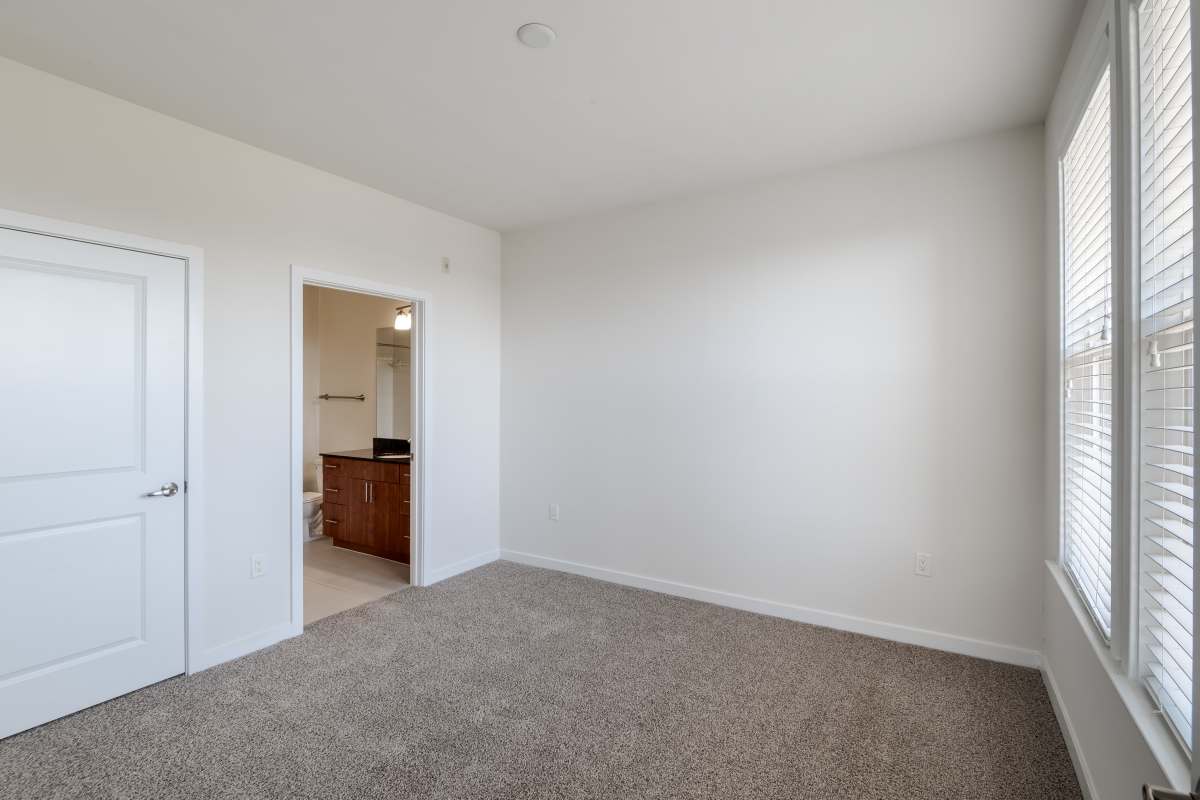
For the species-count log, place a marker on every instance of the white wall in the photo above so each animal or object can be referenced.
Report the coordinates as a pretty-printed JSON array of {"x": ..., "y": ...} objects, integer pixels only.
[
  {"x": 1108, "y": 740},
  {"x": 786, "y": 390},
  {"x": 1118, "y": 741},
  {"x": 75, "y": 154}
]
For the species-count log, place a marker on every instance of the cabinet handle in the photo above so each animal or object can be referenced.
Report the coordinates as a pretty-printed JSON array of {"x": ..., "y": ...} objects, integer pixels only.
[
  {"x": 366, "y": 495},
  {"x": 331, "y": 466},
  {"x": 335, "y": 491},
  {"x": 332, "y": 521}
]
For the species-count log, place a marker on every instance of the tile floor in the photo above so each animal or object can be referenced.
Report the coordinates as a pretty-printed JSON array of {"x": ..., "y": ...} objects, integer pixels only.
[{"x": 336, "y": 579}]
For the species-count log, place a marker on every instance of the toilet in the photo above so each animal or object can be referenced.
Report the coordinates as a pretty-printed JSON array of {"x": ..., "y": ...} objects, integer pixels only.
[{"x": 312, "y": 516}]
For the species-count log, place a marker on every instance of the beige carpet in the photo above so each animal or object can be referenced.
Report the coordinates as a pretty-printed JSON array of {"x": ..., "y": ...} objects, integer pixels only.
[{"x": 515, "y": 682}]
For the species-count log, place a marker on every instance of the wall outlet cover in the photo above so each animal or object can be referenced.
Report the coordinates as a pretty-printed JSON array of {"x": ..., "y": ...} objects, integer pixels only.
[
  {"x": 258, "y": 565},
  {"x": 924, "y": 565},
  {"x": 553, "y": 512}
]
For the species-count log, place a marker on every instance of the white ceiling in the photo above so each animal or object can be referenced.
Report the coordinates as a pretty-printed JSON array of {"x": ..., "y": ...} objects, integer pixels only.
[{"x": 438, "y": 103}]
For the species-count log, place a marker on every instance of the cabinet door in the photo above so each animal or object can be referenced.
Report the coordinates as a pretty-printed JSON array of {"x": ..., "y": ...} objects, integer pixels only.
[
  {"x": 356, "y": 527},
  {"x": 389, "y": 520}
]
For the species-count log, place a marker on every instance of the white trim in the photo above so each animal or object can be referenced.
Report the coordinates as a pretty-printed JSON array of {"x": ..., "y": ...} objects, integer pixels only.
[
  {"x": 991, "y": 651},
  {"x": 421, "y": 433},
  {"x": 1155, "y": 730},
  {"x": 1194, "y": 762},
  {"x": 458, "y": 567},
  {"x": 1127, "y": 401},
  {"x": 195, "y": 487},
  {"x": 1082, "y": 773},
  {"x": 1095, "y": 51},
  {"x": 1100, "y": 58},
  {"x": 243, "y": 646},
  {"x": 193, "y": 260}
]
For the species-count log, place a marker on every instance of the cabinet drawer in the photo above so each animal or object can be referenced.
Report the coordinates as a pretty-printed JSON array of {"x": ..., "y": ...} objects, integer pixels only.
[
  {"x": 336, "y": 518},
  {"x": 334, "y": 469},
  {"x": 333, "y": 480},
  {"x": 376, "y": 471}
]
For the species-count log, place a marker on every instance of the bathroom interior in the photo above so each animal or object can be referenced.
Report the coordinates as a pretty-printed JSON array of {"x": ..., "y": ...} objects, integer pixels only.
[{"x": 358, "y": 390}]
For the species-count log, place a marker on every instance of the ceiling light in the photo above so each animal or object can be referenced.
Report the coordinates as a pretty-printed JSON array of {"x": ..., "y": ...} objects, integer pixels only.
[
  {"x": 535, "y": 34},
  {"x": 404, "y": 318}
]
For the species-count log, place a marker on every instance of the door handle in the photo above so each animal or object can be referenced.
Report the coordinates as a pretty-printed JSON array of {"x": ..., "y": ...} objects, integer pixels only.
[{"x": 167, "y": 490}]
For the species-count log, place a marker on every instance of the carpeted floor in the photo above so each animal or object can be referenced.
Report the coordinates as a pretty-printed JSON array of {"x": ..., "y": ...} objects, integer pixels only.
[{"x": 515, "y": 682}]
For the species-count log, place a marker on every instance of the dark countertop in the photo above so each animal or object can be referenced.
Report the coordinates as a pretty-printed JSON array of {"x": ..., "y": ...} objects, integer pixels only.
[{"x": 369, "y": 455}]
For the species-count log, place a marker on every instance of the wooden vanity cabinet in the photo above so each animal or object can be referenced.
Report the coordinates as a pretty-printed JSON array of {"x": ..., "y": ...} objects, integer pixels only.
[{"x": 368, "y": 507}]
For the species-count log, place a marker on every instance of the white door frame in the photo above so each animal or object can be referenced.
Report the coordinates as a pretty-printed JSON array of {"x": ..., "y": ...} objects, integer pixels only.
[
  {"x": 421, "y": 433},
  {"x": 193, "y": 478}
]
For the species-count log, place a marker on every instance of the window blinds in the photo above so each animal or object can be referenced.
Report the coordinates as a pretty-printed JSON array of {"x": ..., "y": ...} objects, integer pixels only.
[
  {"x": 1167, "y": 424},
  {"x": 1087, "y": 358}
]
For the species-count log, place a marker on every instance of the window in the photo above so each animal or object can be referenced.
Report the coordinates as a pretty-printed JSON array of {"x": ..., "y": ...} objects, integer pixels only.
[
  {"x": 1167, "y": 371},
  {"x": 1087, "y": 357}
]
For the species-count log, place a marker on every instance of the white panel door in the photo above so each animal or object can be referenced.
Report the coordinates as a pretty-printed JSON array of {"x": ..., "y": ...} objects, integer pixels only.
[{"x": 92, "y": 398}]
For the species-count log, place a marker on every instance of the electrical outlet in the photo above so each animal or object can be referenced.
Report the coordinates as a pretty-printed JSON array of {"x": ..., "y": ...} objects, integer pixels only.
[
  {"x": 258, "y": 565},
  {"x": 924, "y": 565},
  {"x": 445, "y": 263},
  {"x": 553, "y": 512}
]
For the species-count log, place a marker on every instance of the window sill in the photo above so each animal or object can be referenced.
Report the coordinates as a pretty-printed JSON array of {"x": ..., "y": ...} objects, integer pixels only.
[{"x": 1155, "y": 731}]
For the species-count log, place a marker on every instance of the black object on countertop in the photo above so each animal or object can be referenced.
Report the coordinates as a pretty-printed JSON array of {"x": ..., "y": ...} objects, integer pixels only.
[{"x": 390, "y": 447}]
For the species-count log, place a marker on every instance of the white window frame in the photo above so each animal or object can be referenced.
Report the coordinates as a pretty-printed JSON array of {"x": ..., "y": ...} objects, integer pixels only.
[
  {"x": 1102, "y": 56},
  {"x": 1109, "y": 37},
  {"x": 1128, "y": 16}
]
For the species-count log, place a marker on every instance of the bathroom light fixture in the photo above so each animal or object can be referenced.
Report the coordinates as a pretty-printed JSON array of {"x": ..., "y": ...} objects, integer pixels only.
[
  {"x": 535, "y": 34},
  {"x": 403, "y": 318}
]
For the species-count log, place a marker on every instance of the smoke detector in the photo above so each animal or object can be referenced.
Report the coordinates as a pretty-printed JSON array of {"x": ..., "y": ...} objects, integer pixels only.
[{"x": 535, "y": 34}]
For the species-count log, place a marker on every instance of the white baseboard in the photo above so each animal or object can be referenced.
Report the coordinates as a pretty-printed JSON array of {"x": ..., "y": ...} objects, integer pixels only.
[
  {"x": 257, "y": 641},
  {"x": 991, "y": 651},
  {"x": 458, "y": 567},
  {"x": 241, "y": 647},
  {"x": 1082, "y": 773},
  {"x": 1149, "y": 722}
]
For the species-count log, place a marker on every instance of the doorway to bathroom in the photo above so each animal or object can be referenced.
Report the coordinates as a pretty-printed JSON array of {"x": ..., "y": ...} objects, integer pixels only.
[{"x": 357, "y": 431}]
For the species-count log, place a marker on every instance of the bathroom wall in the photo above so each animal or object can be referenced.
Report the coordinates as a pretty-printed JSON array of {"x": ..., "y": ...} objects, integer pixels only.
[
  {"x": 393, "y": 367},
  {"x": 345, "y": 327},
  {"x": 312, "y": 376}
]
